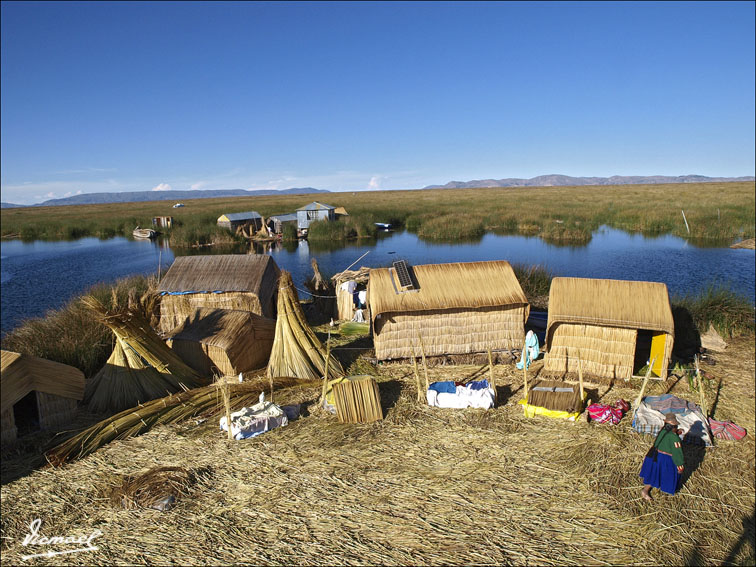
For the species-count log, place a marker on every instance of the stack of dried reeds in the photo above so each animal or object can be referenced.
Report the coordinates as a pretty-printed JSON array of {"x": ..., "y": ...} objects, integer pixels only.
[
  {"x": 555, "y": 395},
  {"x": 141, "y": 366},
  {"x": 357, "y": 400},
  {"x": 296, "y": 350},
  {"x": 206, "y": 402}
]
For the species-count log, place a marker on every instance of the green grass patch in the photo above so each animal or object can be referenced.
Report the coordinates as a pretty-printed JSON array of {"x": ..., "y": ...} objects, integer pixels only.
[
  {"x": 70, "y": 334},
  {"x": 730, "y": 314}
]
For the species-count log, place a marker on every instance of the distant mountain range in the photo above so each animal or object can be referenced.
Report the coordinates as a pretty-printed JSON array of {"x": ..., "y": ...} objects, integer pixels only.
[
  {"x": 134, "y": 196},
  {"x": 566, "y": 180}
]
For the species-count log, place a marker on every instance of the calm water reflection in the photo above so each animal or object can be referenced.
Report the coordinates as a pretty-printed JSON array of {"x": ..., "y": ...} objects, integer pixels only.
[{"x": 44, "y": 275}]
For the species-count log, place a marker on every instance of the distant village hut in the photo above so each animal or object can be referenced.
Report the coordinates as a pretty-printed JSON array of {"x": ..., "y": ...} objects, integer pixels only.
[
  {"x": 36, "y": 394},
  {"x": 224, "y": 342},
  {"x": 233, "y": 221},
  {"x": 614, "y": 327},
  {"x": 162, "y": 222},
  {"x": 245, "y": 282},
  {"x": 276, "y": 223},
  {"x": 456, "y": 309},
  {"x": 314, "y": 212},
  {"x": 340, "y": 213}
]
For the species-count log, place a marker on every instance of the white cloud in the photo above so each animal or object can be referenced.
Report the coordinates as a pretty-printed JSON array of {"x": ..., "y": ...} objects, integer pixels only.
[
  {"x": 50, "y": 195},
  {"x": 375, "y": 182},
  {"x": 162, "y": 187},
  {"x": 198, "y": 185}
]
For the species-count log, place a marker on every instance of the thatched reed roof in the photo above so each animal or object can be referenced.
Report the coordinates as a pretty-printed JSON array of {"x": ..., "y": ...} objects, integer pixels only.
[
  {"x": 21, "y": 374},
  {"x": 222, "y": 272},
  {"x": 609, "y": 303},
  {"x": 223, "y": 327},
  {"x": 446, "y": 286}
]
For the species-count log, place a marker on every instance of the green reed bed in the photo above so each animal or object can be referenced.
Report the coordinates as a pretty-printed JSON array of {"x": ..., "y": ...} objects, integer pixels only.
[
  {"x": 730, "y": 314},
  {"x": 714, "y": 211},
  {"x": 70, "y": 334}
]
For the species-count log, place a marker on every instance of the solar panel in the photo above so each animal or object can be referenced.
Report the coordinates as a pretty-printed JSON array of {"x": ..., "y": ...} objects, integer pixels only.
[{"x": 402, "y": 272}]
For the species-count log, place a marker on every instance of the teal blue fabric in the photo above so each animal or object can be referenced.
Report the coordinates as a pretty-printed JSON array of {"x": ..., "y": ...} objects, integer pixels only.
[{"x": 530, "y": 351}]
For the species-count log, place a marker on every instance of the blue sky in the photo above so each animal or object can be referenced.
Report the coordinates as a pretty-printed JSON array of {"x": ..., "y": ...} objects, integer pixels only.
[{"x": 352, "y": 96}]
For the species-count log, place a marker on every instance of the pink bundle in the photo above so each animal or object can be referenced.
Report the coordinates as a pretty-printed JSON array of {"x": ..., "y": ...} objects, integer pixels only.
[
  {"x": 726, "y": 430},
  {"x": 602, "y": 413}
]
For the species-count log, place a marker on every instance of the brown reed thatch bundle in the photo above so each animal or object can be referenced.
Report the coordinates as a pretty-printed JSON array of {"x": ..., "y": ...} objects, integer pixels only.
[
  {"x": 206, "y": 402},
  {"x": 296, "y": 350},
  {"x": 141, "y": 367},
  {"x": 157, "y": 488},
  {"x": 555, "y": 395},
  {"x": 357, "y": 400}
]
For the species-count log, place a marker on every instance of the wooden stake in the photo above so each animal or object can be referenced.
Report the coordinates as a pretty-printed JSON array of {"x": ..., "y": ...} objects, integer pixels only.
[
  {"x": 417, "y": 375},
  {"x": 227, "y": 404},
  {"x": 525, "y": 379},
  {"x": 325, "y": 378},
  {"x": 425, "y": 365},
  {"x": 643, "y": 388},
  {"x": 580, "y": 377},
  {"x": 686, "y": 221},
  {"x": 701, "y": 389},
  {"x": 491, "y": 379}
]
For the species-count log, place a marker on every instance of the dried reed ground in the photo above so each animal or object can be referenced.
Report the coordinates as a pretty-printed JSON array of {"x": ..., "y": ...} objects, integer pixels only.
[{"x": 424, "y": 486}]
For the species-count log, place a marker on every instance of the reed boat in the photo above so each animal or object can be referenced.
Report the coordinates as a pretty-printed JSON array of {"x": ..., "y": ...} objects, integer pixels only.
[{"x": 144, "y": 233}]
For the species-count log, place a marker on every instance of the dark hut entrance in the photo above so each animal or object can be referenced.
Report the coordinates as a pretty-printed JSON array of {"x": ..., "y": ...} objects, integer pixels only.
[
  {"x": 649, "y": 345},
  {"x": 26, "y": 414}
]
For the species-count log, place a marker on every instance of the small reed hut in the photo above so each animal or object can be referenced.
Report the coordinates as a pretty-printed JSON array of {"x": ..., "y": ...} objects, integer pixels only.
[
  {"x": 223, "y": 341},
  {"x": 233, "y": 221},
  {"x": 36, "y": 394},
  {"x": 455, "y": 309},
  {"x": 614, "y": 327},
  {"x": 242, "y": 282}
]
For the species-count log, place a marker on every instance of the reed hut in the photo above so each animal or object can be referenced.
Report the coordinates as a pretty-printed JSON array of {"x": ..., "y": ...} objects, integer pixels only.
[
  {"x": 457, "y": 309},
  {"x": 313, "y": 212},
  {"x": 614, "y": 327},
  {"x": 276, "y": 223},
  {"x": 223, "y": 341},
  {"x": 36, "y": 394},
  {"x": 233, "y": 221},
  {"x": 240, "y": 282}
]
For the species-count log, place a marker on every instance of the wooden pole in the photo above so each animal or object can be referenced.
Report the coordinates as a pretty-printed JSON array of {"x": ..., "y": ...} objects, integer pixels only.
[
  {"x": 325, "y": 378},
  {"x": 425, "y": 365},
  {"x": 491, "y": 379},
  {"x": 227, "y": 405},
  {"x": 643, "y": 388},
  {"x": 701, "y": 389},
  {"x": 417, "y": 375},
  {"x": 686, "y": 221},
  {"x": 580, "y": 377},
  {"x": 525, "y": 379}
]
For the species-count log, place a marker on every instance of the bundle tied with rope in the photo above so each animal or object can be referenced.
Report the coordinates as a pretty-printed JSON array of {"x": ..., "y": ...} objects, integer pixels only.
[{"x": 297, "y": 351}]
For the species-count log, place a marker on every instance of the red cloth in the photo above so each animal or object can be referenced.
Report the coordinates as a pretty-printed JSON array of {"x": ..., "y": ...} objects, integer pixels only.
[
  {"x": 602, "y": 413},
  {"x": 726, "y": 430}
]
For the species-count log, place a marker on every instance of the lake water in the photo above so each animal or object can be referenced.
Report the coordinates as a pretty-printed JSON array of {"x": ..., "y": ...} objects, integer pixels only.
[{"x": 39, "y": 276}]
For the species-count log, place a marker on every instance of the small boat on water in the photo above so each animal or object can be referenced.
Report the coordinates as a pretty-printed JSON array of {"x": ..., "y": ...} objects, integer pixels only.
[{"x": 144, "y": 233}]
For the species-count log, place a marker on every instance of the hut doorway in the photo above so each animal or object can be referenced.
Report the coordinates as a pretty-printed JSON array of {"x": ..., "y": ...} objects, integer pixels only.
[
  {"x": 649, "y": 346},
  {"x": 26, "y": 414}
]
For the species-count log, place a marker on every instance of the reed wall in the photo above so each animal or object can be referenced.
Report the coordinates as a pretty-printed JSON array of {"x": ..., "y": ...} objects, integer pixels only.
[
  {"x": 8, "y": 431},
  {"x": 175, "y": 309},
  {"x": 605, "y": 352},
  {"x": 449, "y": 331},
  {"x": 55, "y": 411}
]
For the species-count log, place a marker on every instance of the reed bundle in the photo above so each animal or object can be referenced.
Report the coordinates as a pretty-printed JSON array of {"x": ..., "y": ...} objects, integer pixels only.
[
  {"x": 157, "y": 488},
  {"x": 206, "y": 402},
  {"x": 358, "y": 400},
  {"x": 296, "y": 350},
  {"x": 555, "y": 395},
  {"x": 140, "y": 368}
]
